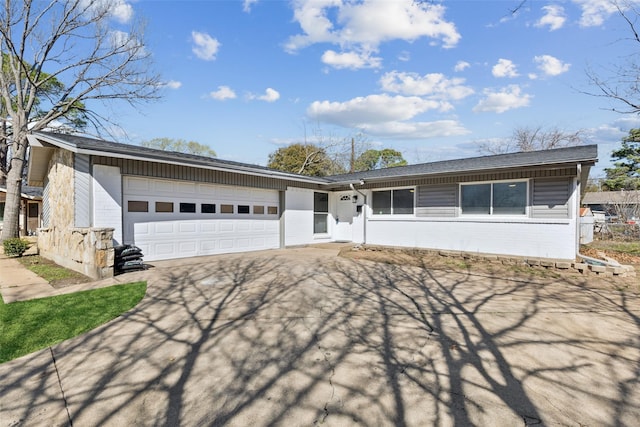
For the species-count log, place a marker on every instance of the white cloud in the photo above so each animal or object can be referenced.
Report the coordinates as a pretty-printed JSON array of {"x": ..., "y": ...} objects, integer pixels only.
[
  {"x": 120, "y": 10},
  {"x": 404, "y": 56},
  {"x": 550, "y": 65},
  {"x": 363, "y": 112},
  {"x": 461, "y": 66},
  {"x": 434, "y": 85},
  {"x": 504, "y": 68},
  {"x": 594, "y": 12},
  {"x": 247, "y": 4},
  {"x": 205, "y": 47},
  {"x": 417, "y": 130},
  {"x": 223, "y": 93},
  {"x": 352, "y": 60},
  {"x": 173, "y": 84},
  {"x": 554, "y": 17},
  {"x": 270, "y": 95},
  {"x": 507, "y": 98},
  {"x": 368, "y": 23}
]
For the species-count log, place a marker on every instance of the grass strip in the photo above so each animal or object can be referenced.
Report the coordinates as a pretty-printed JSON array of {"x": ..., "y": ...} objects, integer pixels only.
[
  {"x": 28, "y": 326},
  {"x": 50, "y": 271}
]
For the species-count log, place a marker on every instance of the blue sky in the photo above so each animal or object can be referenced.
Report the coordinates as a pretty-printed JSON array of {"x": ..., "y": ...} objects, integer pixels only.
[{"x": 247, "y": 77}]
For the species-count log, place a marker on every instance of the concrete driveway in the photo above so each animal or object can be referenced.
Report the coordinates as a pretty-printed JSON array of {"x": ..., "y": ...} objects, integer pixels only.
[{"x": 299, "y": 337}]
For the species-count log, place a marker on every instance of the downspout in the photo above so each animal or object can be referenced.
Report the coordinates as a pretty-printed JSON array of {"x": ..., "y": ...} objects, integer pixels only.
[
  {"x": 587, "y": 259},
  {"x": 364, "y": 213}
]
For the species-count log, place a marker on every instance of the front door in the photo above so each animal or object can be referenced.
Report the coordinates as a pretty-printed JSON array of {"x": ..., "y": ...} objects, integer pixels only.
[{"x": 345, "y": 209}]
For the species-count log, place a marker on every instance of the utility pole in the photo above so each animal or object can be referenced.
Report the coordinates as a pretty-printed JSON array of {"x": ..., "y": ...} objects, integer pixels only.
[{"x": 352, "y": 160}]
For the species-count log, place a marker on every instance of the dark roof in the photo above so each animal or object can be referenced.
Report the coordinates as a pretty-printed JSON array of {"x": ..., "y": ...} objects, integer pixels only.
[
  {"x": 587, "y": 154},
  {"x": 28, "y": 191},
  {"x": 611, "y": 197},
  {"x": 116, "y": 148}
]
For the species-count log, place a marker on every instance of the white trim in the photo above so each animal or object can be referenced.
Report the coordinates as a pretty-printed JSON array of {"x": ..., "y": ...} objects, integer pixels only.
[{"x": 527, "y": 205}]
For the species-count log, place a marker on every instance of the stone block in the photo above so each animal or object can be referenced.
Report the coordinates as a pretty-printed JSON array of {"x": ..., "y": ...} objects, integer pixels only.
[
  {"x": 547, "y": 263},
  {"x": 532, "y": 262},
  {"x": 615, "y": 270},
  {"x": 598, "y": 268},
  {"x": 581, "y": 267},
  {"x": 563, "y": 265}
]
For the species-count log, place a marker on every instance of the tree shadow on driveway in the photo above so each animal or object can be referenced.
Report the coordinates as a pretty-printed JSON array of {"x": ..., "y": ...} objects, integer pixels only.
[{"x": 297, "y": 338}]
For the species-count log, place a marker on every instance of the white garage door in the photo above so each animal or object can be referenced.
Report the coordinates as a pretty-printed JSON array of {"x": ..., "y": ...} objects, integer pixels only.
[{"x": 176, "y": 219}]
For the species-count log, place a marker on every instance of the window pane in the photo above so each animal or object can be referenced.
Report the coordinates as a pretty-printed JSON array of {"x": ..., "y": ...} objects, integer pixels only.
[
  {"x": 320, "y": 202},
  {"x": 187, "y": 207},
  {"x": 164, "y": 206},
  {"x": 226, "y": 209},
  {"x": 509, "y": 198},
  {"x": 476, "y": 199},
  {"x": 137, "y": 206},
  {"x": 208, "y": 208},
  {"x": 1, "y": 211},
  {"x": 258, "y": 210},
  {"x": 320, "y": 223},
  {"x": 403, "y": 201},
  {"x": 243, "y": 209},
  {"x": 381, "y": 203},
  {"x": 272, "y": 210},
  {"x": 33, "y": 210}
]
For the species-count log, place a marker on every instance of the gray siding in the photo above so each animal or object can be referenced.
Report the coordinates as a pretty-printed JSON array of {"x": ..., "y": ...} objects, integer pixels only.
[
  {"x": 456, "y": 179},
  {"x": 185, "y": 173},
  {"x": 82, "y": 191},
  {"x": 437, "y": 200},
  {"x": 550, "y": 198}
]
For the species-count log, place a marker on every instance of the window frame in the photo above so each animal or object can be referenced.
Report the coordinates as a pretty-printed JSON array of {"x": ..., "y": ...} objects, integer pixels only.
[
  {"x": 392, "y": 199},
  {"x": 491, "y": 206},
  {"x": 317, "y": 214}
]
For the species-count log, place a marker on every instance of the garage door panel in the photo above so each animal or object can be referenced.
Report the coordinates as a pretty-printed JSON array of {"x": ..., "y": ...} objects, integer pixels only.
[
  {"x": 175, "y": 235},
  {"x": 226, "y": 244},
  {"x": 243, "y": 226},
  {"x": 188, "y": 227},
  {"x": 226, "y": 226},
  {"x": 162, "y": 249},
  {"x": 208, "y": 226},
  {"x": 164, "y": 227}
]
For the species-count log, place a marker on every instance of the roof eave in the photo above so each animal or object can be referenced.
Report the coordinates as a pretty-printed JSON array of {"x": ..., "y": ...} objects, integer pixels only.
[{"x": 220, "y": 167}]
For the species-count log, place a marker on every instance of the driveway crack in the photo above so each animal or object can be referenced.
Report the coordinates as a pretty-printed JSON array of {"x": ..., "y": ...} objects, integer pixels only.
[
  {"x": 64, "y": 398},
  {"x": 325, "y": 356}
]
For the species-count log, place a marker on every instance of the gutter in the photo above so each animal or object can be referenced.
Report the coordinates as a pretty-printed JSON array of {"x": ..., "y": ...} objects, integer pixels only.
[{"x": 364, "y": 213}]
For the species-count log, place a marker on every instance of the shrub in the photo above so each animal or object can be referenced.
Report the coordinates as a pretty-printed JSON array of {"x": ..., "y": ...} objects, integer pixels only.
[{"x": 15, "y": 246}]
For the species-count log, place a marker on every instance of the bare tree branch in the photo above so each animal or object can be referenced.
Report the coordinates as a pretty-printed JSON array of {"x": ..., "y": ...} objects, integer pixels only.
[{"x": 57, "y": 58}]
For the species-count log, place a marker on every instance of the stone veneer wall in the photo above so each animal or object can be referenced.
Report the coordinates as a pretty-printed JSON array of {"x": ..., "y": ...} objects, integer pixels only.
[{"x": 86, "y": 250}]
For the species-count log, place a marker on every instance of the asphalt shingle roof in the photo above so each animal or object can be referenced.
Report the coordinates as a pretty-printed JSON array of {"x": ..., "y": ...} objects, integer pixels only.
[
  {"x": 579, "y": 154},
  {"x": 587, "y": 154}
]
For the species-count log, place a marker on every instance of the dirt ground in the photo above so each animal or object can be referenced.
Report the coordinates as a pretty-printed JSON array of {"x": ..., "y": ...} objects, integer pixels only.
[{"x": 498, "y": 268}]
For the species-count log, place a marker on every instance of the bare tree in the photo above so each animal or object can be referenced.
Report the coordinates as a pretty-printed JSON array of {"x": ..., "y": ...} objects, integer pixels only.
[
  {"x": 531, "y": 139},
  {"x": 75, "y": 43},
  {"x": 623, "y": 84}
]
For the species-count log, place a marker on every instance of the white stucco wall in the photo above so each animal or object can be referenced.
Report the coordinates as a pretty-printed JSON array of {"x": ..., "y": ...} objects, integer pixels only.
[
  {"x": 526, "y": 237},
  {"x": 298, "y": 218}
]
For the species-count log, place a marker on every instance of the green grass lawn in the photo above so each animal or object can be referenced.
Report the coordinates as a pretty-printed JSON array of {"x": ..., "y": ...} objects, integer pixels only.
[
  {"x": 27, "y": 326},
  {"x": 50, "y": 271}
]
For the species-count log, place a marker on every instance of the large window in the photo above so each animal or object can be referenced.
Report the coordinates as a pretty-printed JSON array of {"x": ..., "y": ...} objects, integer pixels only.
[
  {"x": 393, "y": 202},
  {"x": 1, "y": 211},
  {"x": 498, "y": 198},
  {"x": 320, "y": 212}
]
